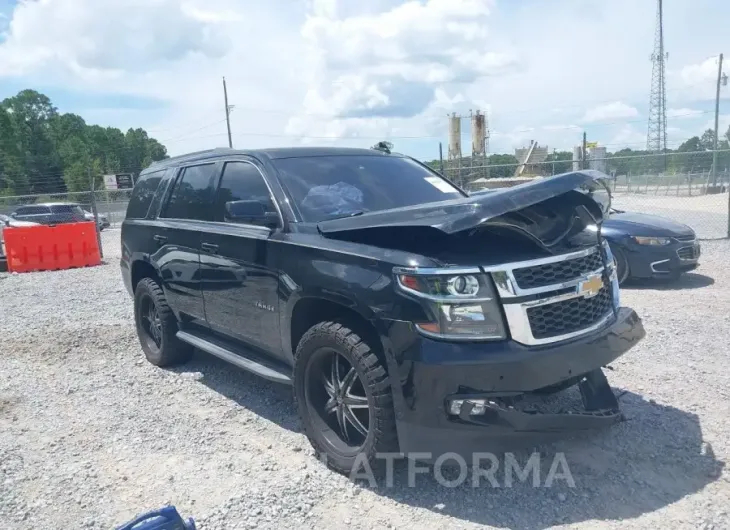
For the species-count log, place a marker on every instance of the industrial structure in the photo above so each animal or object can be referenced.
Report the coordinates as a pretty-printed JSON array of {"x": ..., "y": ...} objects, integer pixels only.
[
  {"x": 577, "y": 157},
  {"x": 530, "y": 159},
  {"x": 656, "y": 138},
  {"x": 479, "y": 145},
  {"x": 464, "y": 169},
  {"x": 596, "y": 157},
  {"x": 454, "y": 153}
]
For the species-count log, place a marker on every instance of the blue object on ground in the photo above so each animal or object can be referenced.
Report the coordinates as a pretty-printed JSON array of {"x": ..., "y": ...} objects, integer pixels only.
[{"x": 165, "y": 519}]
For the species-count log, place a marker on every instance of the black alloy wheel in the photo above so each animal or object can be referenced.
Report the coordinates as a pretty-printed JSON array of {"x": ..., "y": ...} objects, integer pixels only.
[
  {"x": 335, "y": 392},
  {"x": 151, "y": 322},
  {"x": 343, "y": 395},
  {"x": 157, "y": 326}
]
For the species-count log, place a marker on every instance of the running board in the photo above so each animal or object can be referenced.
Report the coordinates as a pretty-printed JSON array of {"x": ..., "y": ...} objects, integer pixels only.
[{"x": 256, "y": 367}]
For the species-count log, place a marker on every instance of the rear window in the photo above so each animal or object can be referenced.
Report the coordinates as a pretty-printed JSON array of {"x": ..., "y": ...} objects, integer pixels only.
[
  {"x": 32, "y": 210},
  {"x": 68, "y": 209},
  {"x": 143, "y": 193}
]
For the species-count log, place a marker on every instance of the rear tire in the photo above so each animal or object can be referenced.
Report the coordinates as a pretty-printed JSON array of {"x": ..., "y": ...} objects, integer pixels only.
[
  {"x": 156, "y": 326},
  {"x": 344, "y": 398}
]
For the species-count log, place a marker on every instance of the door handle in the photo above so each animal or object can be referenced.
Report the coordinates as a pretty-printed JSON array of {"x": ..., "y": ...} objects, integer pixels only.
[
  {"x": 160, "y": 239},
  {"x": 209, "y": 247}
]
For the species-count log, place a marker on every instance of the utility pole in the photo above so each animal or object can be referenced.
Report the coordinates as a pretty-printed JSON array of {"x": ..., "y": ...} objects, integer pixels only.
[
  {"x": 228, "y": 113},
  {"x": 717, "y": 117},
  {"x": 554, "y": 155},
  {"x": 583, "y": 152},
  {"x": 95, "y": 211},
  {"x": 441, "y": 158}
]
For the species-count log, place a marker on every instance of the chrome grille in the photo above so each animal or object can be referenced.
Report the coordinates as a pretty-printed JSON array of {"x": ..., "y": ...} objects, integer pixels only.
[
  {"x": 569, "y": 316},
  {"x": 549, "y": 299},
  {"x": 557, "y": 272},
  {"x": 686, "y": 239}
]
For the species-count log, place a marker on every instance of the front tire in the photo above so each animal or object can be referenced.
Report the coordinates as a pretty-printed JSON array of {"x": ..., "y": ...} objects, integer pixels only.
[
  {"x": 156, "y": 326},
  {"x": 343, "y": 396},
  {"x": 621, "y": 264}
]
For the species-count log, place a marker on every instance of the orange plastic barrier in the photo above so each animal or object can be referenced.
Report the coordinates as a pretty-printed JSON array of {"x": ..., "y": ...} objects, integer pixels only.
[{"x": 48, "y": 248}]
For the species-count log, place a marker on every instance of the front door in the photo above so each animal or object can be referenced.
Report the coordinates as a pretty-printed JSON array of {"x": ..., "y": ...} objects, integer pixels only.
[{"x": 240, "y": 283}]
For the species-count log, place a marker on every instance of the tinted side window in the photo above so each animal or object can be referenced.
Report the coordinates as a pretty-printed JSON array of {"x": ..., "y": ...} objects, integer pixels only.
[
  {"x": 191, "y": 196},
  {"x": 33, "y": 210},
  {"x": 67, "y": 209},
  {"x": 242, "y": 181},
  {"x": 142, "y": 195},
  {"x": 67, "y": 212}
]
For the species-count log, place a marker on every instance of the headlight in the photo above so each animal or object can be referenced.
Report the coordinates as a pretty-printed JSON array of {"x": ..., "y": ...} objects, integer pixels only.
[
  {"x": 460, "y": 306},
  {"x": 652, "y": 241}
]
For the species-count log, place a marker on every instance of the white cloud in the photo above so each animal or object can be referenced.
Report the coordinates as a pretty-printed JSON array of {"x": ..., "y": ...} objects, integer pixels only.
[
  {"x": 696, "y": 80},
  {"x": 169, "y": 51},
  {"x": 683, "y": 113},
  {"x": 703, "y": 72},
  {"x": 114, "y": 35},
  {"x": 610, "y": 111},
  {"x": 349, "y": 72},
  {"x": 628, "y": 136},
  {"x": 393, "y": 65}
]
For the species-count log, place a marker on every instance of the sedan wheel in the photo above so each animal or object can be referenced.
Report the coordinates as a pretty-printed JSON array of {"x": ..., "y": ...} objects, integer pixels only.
[{"x": 621, "y": 264}]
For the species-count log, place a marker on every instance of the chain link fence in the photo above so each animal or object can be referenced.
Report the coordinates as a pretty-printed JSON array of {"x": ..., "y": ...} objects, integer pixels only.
[
  {"x": 111, "y": 206},
  {"x": 695, "y": 197}
]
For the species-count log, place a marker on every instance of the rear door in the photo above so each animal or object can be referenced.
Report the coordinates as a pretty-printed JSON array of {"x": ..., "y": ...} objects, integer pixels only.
[
  {"x": 177, "y": 234},
  {"x": 240, "y": 282}
]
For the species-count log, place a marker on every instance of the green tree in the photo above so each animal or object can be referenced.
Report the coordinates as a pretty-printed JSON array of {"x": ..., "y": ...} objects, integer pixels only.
[
  {"x": 32, "y": 113},
  {"x": 44, "y": 151},
  {"x": 501, "y": 166},
  {"x": 12, "y": 175},
  {"x": 558, "y": 162}
]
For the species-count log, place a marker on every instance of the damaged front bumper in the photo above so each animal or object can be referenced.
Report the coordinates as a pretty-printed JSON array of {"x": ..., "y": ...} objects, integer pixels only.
[{"x": 498, "y": 379}]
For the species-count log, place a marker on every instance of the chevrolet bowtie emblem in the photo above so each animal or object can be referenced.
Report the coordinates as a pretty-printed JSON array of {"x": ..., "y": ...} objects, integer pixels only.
[{"x": 591, "y": 287}]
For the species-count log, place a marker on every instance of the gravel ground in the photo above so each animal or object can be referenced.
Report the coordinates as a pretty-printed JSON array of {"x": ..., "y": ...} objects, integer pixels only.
[{"x": 91, "y": 434}]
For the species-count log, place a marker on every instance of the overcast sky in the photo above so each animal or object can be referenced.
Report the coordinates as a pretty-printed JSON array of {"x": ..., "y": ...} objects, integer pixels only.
[{"x": 351, "y": 72}]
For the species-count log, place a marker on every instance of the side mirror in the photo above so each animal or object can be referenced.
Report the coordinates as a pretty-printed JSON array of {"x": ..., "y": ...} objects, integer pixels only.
[
  {"x": 14, "y": 214},
  {"x": 251, "y": 212}
]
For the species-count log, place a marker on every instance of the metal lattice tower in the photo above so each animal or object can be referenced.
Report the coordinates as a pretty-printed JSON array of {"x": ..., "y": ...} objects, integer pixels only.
[{"x": 656, "y": 138}]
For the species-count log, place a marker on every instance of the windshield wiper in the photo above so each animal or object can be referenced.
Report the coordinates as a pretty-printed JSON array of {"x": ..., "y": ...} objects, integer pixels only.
[{"x": 353, "y": 214}]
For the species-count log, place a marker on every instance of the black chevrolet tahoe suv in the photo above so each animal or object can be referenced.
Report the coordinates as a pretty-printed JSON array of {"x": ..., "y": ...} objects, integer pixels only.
[{"x": 409, "y": 317}]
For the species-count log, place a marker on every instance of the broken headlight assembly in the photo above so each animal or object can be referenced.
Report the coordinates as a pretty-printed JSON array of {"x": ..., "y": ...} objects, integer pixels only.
[{"x": 461, "y": 305}]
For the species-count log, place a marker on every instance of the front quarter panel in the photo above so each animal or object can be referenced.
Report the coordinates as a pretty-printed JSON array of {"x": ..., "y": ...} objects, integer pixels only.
[{"x": 351, "y": 275}]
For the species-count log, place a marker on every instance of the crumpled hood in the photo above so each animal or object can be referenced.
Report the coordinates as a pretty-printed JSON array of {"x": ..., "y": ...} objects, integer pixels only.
[{"x": 469, "y": 212}]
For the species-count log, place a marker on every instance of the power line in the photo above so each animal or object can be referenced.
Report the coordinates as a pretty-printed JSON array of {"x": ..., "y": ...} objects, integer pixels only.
[{"x": 183, "y": 136}]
